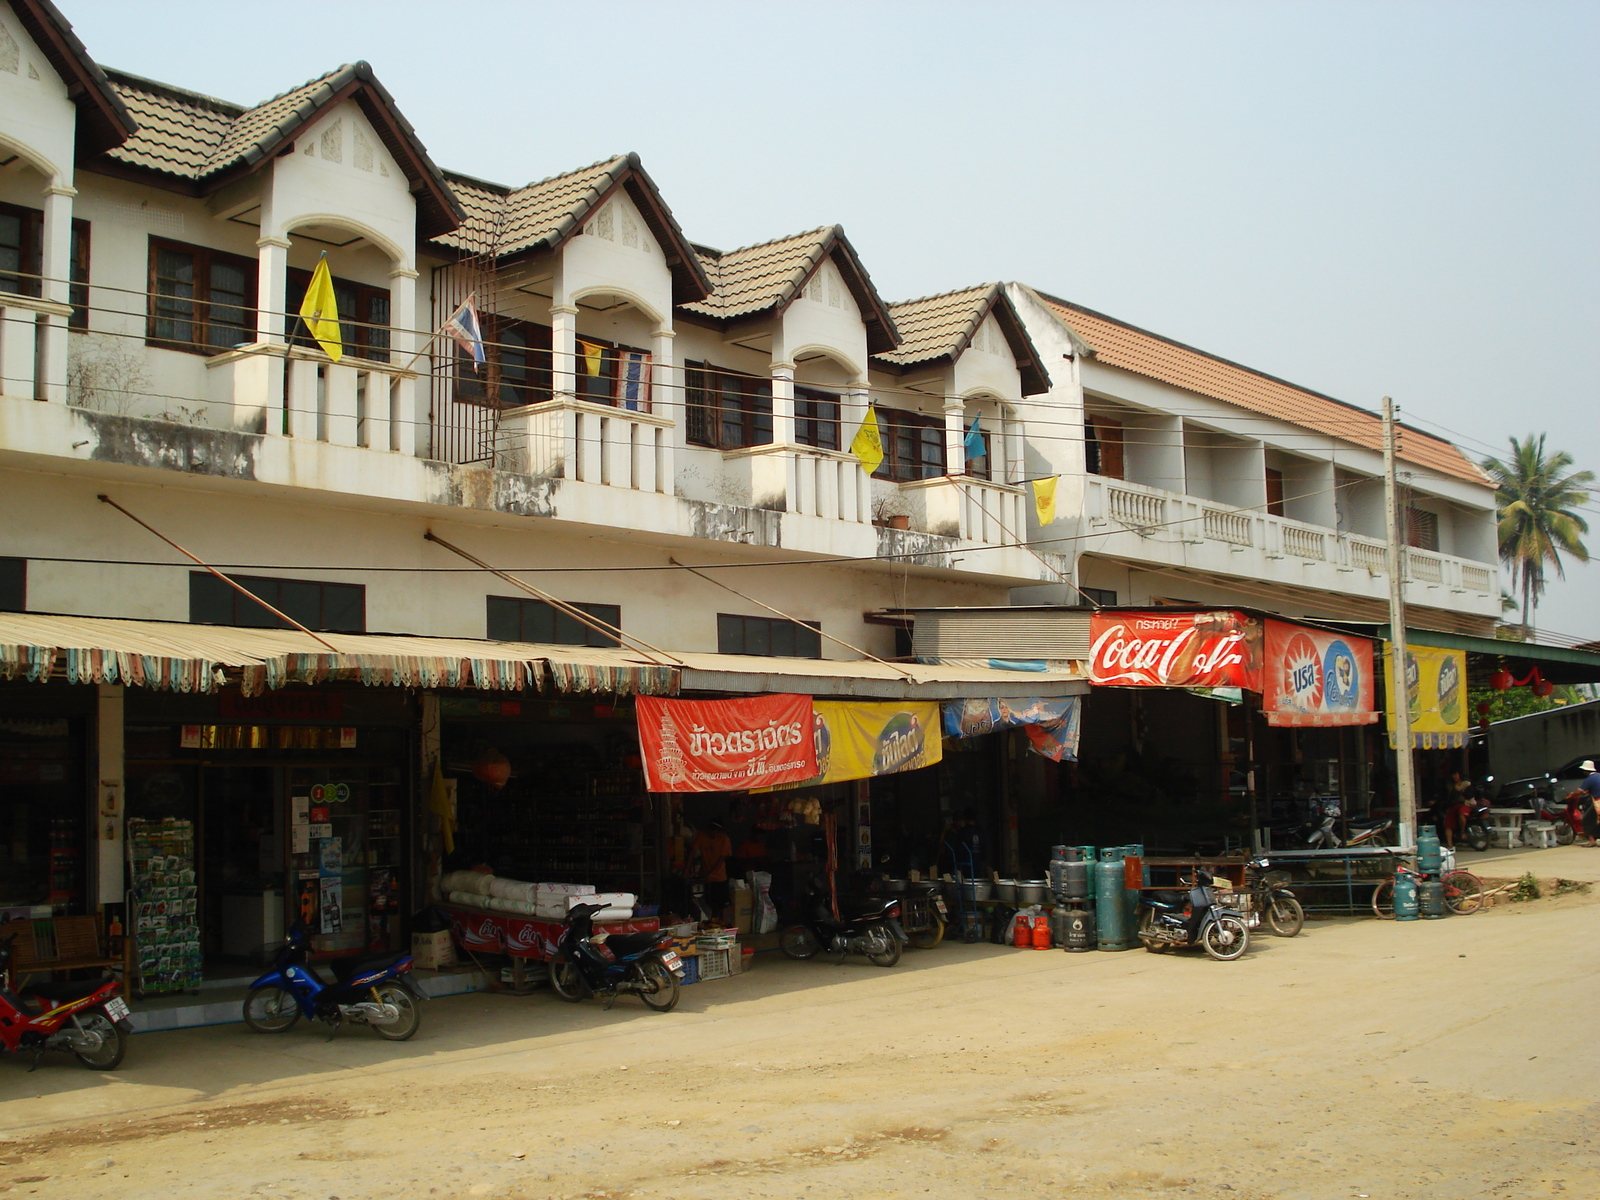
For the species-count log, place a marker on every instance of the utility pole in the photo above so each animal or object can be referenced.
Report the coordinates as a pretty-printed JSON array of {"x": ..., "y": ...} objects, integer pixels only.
[{"x": 1400, "y": 718}]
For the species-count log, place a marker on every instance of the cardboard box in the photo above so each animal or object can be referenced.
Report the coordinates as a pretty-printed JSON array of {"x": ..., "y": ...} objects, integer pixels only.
[
  {"x": 744, "y": 910},
  {"x": 433, "y": 950}
]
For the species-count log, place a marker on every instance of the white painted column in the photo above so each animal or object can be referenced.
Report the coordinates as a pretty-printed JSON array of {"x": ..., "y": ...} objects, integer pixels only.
[
  {"x": 955, "y": 436},
  {"x": 782, "y": 403},
  {"x": 1012, "y": 469},
  {"x": 50, "y": 382},
  {"x": 406, "y": 418},
  {"x": 109, "y": 790},
  {"x": 258, "y": 392},
  {"x": 668, "y": 398},
  {"x": 563, "y": 349}
]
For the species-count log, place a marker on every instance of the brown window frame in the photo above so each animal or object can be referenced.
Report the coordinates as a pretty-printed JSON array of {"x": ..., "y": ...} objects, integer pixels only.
[
  {"x": 364, "y": 335},
  {"x": 203, "y": 306},
  {"x": 1274, "y": 479},
  {"x": 206, "y": 590},
  {"x": 816, "y": 418},
  {"x": 31, "y": 262},
  {"x": 606, "y": 387},
  {"x": 1103, "y": 447},
  {"x": 899, "y": 462},
  {"x": 502, "y": 382},
  {"x": 726, "y": 410},
  {"x": 501, "y": 612}
]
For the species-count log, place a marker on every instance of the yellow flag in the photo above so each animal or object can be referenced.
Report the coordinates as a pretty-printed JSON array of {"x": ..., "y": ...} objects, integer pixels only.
[
  {"x": 320, "y": 311},
  {"x": 1044, "y": 498},
  {"x": 592, "y": 355},
  {"x": 867, "y": 445},
  {"x": 439, "y": 804}
]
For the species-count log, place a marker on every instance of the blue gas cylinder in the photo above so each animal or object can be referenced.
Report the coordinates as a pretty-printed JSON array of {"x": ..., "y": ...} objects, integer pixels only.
[
  {"x": 1111, "y": 909},
  {"x": 1430, "y": 856},
  {"x": 1430, "y": 899},
  {"x": 1405, "y": 897}
]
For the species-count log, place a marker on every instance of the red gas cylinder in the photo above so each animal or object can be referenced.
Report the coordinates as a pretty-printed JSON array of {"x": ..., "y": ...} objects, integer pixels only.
[
  {"x": 1041, "y": 932},
  {"x": 1021, "y": 933}
]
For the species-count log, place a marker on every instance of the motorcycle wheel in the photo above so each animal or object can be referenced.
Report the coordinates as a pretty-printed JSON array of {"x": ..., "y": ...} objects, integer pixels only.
[
  {"x": 1226, "y": 939},
  {"x": 112, "y": 1046},
  {"x": 889, "y": 957},
  {"x": 1564, "y": 834},
  {"x": 1383, "y": 900},
  {"x": 408, "y": 1022},
  {"x": 665, "y": 996},
  {"x": 927, "y": 939},
  {"x": 565, "y": 979},
  {"x": 1478, "y": 838},
  {"x": 1147, "y": 921},
  {"x": 797, "y": 942},
  {"x": 270, "y": 1010},
  {"x": 1463, "y": 892},
  {"x": 1284, "y": 915}
]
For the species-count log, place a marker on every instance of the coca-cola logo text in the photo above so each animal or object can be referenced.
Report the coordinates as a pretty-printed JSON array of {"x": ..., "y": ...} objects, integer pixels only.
[{"x": 1119, "y": 656}]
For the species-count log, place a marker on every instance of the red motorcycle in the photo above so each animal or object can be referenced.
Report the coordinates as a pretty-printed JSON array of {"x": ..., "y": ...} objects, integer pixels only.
[{"x": 86, "y": 1018}]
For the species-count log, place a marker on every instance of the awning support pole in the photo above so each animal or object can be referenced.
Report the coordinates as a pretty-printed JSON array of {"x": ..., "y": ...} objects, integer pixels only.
[
  {"x": 240, "y": 588},
  {"x": 796, "y": 620},
  {"x": 1400, "y": 717},
  {"x": 638, "y": 645}
]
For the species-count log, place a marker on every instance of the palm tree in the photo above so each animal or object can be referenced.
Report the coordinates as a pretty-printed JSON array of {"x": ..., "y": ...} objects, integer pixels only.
[{"x": 1535, "y": 495}]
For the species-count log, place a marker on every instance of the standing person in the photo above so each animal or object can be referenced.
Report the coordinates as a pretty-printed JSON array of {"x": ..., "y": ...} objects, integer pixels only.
[
  {"x": 712, "y": 848},
  {"x": 1590, "y": 787},
  {"x": 1457, "y": 808}
]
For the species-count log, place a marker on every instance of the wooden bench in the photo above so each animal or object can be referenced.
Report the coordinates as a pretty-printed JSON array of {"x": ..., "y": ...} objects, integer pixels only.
[{"x": 57, "y": 944}]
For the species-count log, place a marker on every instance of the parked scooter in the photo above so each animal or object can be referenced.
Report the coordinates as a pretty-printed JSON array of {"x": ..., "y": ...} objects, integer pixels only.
[
  {"x": 924, "y": 915},
  {"x": 1169, "y": 919},
  {"x": 868, "y": 926},
  {"x": 1316, "y": 832},
  {"x": 372, "y": 990},
  {"x": 1270, "y": 896},
  {"x": 612, "y": 964},
  {"x": 1559, "y": 815},
  {"x": 87, "y": 1019}
]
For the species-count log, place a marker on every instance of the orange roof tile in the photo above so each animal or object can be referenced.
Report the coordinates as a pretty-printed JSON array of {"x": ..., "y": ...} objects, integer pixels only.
[{"x": 1130, "y": 348}]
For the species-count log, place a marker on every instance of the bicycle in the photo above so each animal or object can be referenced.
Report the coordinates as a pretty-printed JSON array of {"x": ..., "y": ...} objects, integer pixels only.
[{"x": 1463, "y": 894}]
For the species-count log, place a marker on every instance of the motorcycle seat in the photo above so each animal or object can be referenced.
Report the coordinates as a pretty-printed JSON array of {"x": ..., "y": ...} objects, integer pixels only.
[
  {"x": 1166, "y": 899},
  {"x": 625, "y": 944},
  {"x": 62, "y": 992},
  {"x": 346, "y": 969}
]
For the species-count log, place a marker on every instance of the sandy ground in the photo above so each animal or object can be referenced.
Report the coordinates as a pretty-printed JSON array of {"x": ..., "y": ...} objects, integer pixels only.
[{"x": 1363, "y": 1059}]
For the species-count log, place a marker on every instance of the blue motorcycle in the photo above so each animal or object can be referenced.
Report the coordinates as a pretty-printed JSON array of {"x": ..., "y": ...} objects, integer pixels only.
[
  {"x": 591, "y": 962},
  {"x": 372, "y": 990}
]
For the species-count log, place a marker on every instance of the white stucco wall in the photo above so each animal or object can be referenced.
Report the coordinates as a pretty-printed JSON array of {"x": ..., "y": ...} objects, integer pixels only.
[{"x": 37, "y": 118}]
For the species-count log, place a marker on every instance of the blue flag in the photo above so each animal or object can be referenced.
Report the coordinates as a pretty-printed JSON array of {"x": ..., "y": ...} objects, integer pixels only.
[{"x": 974, "y": 445}]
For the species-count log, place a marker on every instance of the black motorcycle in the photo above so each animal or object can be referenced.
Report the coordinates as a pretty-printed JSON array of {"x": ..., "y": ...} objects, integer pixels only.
[
  {"x": 1270, "y": 897},
  {"x": 609, "y": 965},
  {"x": 869, "y": 926},
  {"x": 1169, "y": 919}
]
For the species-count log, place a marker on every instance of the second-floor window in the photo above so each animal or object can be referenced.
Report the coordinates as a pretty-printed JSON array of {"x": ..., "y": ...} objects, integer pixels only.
[
  {"x": 1422, "y": 529},
  {"x": 518, "y": 368},
  {"x": 913, "y": 445},
  {"x": 22, "y": 257},
  {"x": 978, "y": 465},
  {"x": 201, "y": 300},
  {"x": 520, "y": 619},
  {"x": 363, "y": 316},
  {"x": 325, "y": 607},
  {"x": 611, "y": 373},
  {"x": 13, "y": 584},
  {"x": 727, "y": 411},
  {"x": 816, "y": 418},
  {"x": 1102, "y": 447},
  {"x": 768, "y": 637},
  {"x": 1274, "y": 492}
]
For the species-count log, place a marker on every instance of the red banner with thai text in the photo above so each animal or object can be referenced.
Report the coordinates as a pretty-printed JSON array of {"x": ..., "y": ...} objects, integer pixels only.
[
  {"x": 725, "y": 745},
  {"x": 1176, "y": 649},
  {"x": 1317, "y": 677}
]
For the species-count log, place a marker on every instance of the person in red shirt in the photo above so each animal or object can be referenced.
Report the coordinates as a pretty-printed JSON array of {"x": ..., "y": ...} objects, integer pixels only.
[{"x": 711, "y": 848}]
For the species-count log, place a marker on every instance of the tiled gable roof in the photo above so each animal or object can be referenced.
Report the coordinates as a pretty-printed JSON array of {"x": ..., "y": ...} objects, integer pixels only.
[
  {"x": 103, "y": 120},
  {"x": 507, "y": 221},
  {"x": 207, "y": 141},
  {"x": 942, "y": 326},
  {"x": 938, "y": 326},
  {"x": 754, "y": 279},
  {"x": 1143, "y": 353}
]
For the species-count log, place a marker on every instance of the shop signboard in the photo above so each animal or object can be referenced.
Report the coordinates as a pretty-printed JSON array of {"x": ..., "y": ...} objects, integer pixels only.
[
  {"x": 1436, "y": 682},
  {"x": 857, "y": 739},
  {"x": 1175, "y": 649},
  {"x": 1052, "y": 724},
  {"x": 1317, "y": 677},
  {"x": 725, "y": 745}
]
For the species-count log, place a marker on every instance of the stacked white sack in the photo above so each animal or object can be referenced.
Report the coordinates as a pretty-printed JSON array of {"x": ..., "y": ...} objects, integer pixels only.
[
  {"x": 472, "y": 882},
  {"x": 609, "y": 899}
]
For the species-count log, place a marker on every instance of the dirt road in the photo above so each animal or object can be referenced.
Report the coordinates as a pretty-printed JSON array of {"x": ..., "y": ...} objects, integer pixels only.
[{"x": 1437, "y": 1059}]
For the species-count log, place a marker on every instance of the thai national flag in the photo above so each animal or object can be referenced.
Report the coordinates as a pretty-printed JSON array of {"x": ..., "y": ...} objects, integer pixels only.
[{"x": 464, "y": 326}]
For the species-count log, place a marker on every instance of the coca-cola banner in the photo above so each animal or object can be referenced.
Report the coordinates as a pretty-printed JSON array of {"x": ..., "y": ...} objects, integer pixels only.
[
  {"x": 725, "y": 745},
  {"x": 1175, "y": 649},
  {"x": 1317, "y": 677}
]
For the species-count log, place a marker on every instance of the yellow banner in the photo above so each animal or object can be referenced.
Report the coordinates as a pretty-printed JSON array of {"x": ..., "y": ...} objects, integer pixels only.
[
  {"x": 1436, "y": 688},
  {"x": 857, "y": 739}
]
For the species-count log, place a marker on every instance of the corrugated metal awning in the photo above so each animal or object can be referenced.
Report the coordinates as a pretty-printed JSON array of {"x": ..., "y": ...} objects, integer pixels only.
[
  {"x": 1020, "y": 633},
  {"x": 871, "y": 680},
  {"x": 185, "y": 658}
]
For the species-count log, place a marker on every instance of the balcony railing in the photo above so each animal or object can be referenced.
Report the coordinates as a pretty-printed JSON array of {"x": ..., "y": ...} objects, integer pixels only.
[
  {"x": 592, "y": 443},
  {"x": 1225, "y": 526},
  {"x": 1304, "y": 543},
  {"x": 302, "y": 394},
  {"x": 1143, "y": 510},
  {"x": 976, "y": 510},
  {"x": 21, "y": 329}
]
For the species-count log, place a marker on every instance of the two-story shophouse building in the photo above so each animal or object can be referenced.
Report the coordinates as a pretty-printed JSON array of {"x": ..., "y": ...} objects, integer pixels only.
[{"x": 645, "y": 405}]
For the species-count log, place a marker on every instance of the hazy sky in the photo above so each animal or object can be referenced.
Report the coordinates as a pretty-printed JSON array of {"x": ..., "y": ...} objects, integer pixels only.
[{"x": 1364, "y": 198}]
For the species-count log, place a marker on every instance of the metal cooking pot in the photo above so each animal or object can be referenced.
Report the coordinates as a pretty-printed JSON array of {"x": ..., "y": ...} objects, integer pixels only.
[
  {"x": 1005, "y": 890},
  {"x": 1033, "y": 891}
]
